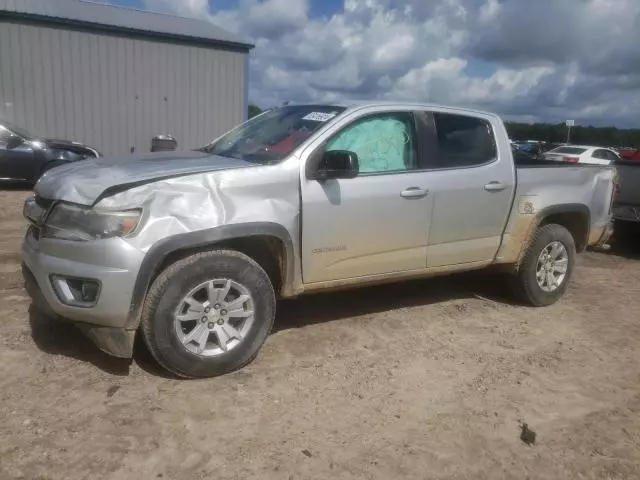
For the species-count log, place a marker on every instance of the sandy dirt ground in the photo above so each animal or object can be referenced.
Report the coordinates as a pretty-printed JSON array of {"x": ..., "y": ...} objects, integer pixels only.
[{"x": 420, "y": 380}]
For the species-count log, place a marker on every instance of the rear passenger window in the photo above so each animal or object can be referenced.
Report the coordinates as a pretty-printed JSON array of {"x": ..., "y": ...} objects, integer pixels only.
[
  {"x": 463, "y": 141},
  {"x": 601, "y": 154},
  {"x": 612, "y": 156}
]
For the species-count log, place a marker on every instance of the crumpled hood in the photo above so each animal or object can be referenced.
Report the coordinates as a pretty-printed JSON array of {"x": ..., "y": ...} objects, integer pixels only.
[{"x": 87, "y": 181}]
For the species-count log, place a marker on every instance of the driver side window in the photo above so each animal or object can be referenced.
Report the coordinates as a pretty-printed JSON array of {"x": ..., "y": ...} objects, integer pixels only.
[{"x": 384, "y": 142}]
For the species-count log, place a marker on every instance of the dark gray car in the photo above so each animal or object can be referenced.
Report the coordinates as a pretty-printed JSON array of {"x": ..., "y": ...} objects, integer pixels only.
[{"x": 24, "y": 157}]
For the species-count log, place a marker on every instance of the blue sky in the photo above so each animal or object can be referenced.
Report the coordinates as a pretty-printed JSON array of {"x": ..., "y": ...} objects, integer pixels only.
[
  {"x": 318, "y": 8},
  {"x": 524, "y": 59}
]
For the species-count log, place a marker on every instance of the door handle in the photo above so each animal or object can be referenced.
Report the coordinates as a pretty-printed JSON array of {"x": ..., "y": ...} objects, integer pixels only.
[
  {"x": 414, "y": 192},
  {"x": 494, "y": 187}
]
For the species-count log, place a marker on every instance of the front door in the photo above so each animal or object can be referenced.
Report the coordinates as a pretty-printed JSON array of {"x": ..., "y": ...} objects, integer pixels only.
[{"x": 373, "y": 224}]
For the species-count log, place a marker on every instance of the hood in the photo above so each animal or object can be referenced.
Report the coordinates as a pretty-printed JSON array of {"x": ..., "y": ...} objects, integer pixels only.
[
  {"x": 77, "y": 147},
  {"x": 56, "y": 142},
  {"x": 88, "y": 181}
]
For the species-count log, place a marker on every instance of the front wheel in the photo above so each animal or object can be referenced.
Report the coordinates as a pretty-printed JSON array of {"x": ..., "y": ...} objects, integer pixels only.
[
  {"x": 547, "y": 266},
  {"x": 208, "y": 314}
]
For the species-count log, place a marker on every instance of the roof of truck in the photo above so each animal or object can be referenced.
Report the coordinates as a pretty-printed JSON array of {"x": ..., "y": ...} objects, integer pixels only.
[
  {"x": 419, "y": 105},
  {"x": 117, "y": 19}
]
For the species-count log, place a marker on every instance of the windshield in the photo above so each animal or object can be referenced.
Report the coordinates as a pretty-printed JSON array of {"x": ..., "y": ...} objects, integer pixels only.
[
  {"x": 273, "y": 135},
  {"x": 17, "y": 130}
]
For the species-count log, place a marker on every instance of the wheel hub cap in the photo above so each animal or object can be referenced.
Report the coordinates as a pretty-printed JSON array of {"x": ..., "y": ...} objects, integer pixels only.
[
  {"x": 214, "y": 317},
  {"x": 552, "y": 266}
]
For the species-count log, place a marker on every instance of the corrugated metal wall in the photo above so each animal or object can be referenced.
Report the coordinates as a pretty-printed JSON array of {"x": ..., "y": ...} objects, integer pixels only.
[{"x": 115, "y": 93}]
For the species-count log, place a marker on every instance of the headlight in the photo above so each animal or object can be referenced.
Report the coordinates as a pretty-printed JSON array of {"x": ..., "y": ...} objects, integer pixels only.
[
  {"x": 64, "y": 155},
  {"x": 72, "y": 222}
]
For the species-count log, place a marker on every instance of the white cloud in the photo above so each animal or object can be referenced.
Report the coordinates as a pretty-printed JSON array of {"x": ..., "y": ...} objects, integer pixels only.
[
  {"x": 187, "y": 8},
  {"x": 553, "y": 59}
]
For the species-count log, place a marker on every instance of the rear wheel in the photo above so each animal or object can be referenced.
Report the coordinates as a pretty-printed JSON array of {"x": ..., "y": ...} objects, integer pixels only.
[
  {"x": 208, "y": 314},
  {"x": 547, "y": 266}
]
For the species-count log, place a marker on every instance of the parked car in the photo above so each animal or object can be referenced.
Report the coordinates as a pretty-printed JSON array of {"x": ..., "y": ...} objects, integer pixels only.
[
  {"x": 24, "y": 157},
  {"x": 630, "y": 154},
  {"x": 532, "y": 150},
  {"x": 522, "y": 157},
  {"x": 190, "y": 249},
  {"x": 582, "y": 154}
]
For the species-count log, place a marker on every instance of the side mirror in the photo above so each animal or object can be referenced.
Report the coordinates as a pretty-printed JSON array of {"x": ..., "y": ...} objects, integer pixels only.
[
  {"x": 163, "y": 143},
  {"x": 337, "y": 164},
  {"x": 14, "y": 141}
]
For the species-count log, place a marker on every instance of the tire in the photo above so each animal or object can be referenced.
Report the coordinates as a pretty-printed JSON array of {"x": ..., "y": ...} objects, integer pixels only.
[
  {"x": 165, "y": 336},
  {"x": 527, "y": 285}
]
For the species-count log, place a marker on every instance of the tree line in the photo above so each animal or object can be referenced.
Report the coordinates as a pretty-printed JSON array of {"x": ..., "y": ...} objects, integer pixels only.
[
  {"x": 557, "y": 133},
  {"x": 254, "y": 110}
]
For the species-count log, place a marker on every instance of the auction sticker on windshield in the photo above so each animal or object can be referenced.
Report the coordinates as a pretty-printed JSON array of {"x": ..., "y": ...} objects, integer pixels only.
[{"x": 319, "y": 116}]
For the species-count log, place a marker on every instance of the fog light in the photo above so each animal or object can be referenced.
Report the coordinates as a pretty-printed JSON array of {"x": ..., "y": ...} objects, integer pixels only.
[
  {"x": 89, "y": 291},
  {"x": 77, "y": 292}
]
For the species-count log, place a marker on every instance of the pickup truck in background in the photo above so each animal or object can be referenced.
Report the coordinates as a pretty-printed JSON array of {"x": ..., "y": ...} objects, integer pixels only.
[
  {"x": 626, "y": 207},
  {"x": 191, "y": 249}
]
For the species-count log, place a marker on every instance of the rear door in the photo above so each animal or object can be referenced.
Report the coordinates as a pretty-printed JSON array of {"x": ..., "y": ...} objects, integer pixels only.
[
  {"x": 472, "y": 182},
  {"x": 613, "y": 157},
  {"x": 600, "y": 156}
]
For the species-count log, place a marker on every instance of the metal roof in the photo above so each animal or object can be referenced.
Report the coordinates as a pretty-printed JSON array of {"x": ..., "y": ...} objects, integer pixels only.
[
  {"x": 358, "y": 104},
  {"x": 100, "y": 16}
]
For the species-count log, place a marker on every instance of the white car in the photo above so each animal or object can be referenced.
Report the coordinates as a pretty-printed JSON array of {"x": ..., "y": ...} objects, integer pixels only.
[{"x": 582, "y": 154}]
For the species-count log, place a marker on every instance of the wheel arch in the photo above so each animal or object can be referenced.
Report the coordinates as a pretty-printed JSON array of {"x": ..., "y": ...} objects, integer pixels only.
[
  {"x": 269, "y": 244},
  {"x": 575, "y": 217}
]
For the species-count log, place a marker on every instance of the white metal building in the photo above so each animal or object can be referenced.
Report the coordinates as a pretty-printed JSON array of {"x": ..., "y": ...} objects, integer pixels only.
[{"x": 113, "y": 77}]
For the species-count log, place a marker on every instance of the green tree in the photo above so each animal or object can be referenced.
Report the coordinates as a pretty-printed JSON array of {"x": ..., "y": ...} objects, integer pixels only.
[
  {"x": 557, "y": 133},
  {"x": 254, "y": 110}
]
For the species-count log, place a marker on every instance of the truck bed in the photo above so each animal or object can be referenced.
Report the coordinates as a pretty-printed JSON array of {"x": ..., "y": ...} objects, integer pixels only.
[
  {"x": 566, "y": 183},
  {"x": 542, "y": 186},
  {"x": 531, "y": 162}
]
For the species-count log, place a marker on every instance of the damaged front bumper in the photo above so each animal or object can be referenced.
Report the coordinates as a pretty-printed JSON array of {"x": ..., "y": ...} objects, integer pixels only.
[{"x": 89, "y": 284}]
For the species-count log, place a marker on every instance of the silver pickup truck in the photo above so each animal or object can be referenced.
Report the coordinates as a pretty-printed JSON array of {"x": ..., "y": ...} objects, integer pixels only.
[{"x": 191, "y": 249}]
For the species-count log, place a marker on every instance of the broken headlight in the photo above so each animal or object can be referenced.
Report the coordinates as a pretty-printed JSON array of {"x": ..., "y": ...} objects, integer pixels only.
[{"x": 73, "y": 222}]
